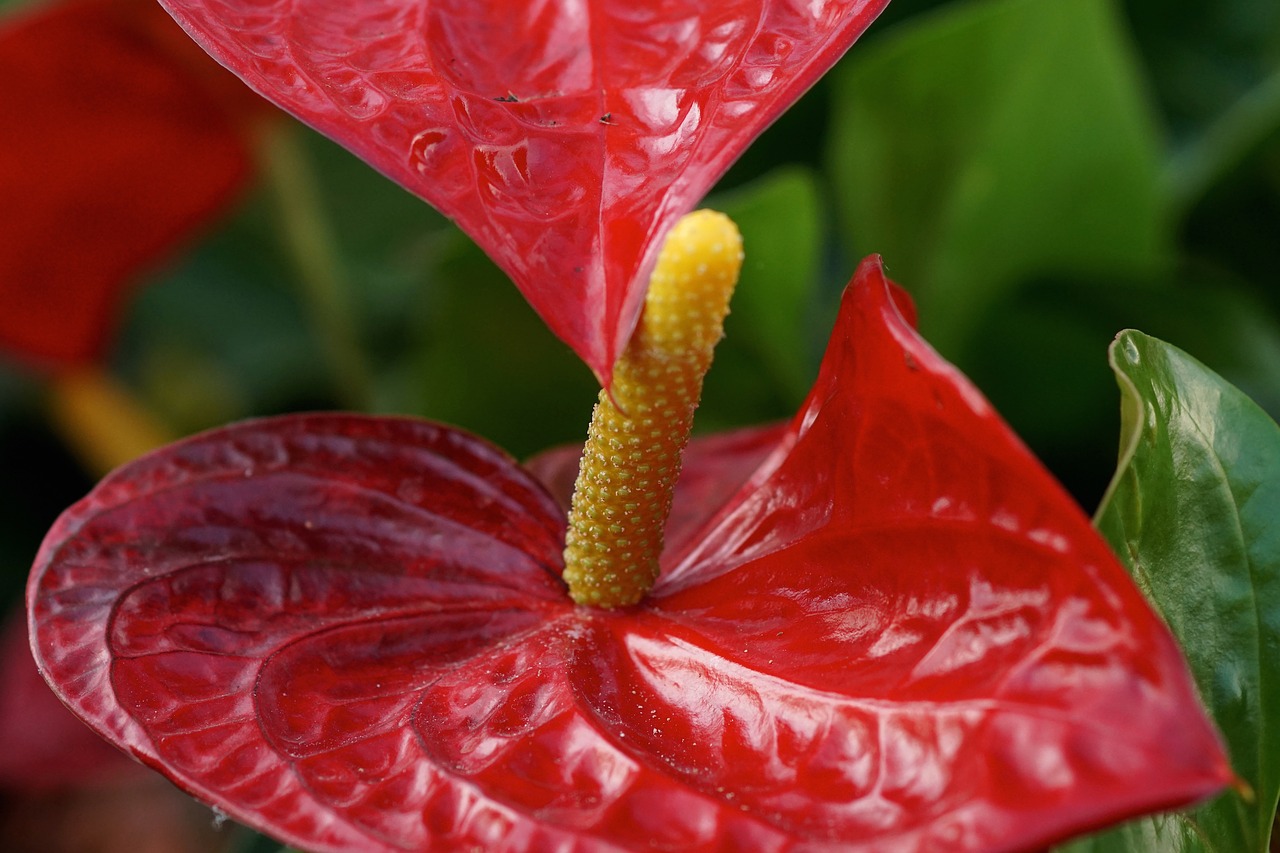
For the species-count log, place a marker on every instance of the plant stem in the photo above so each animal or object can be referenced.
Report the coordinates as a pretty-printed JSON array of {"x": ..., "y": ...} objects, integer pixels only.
[
  {"x": 310, "y": 243},
  {"x": 102, "y": 422}
]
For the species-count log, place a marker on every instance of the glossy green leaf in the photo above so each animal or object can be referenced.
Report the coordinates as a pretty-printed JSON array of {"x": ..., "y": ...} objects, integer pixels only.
[
  {"x": 1193, "y": 514},
  {"x": 995, "y": 141}
]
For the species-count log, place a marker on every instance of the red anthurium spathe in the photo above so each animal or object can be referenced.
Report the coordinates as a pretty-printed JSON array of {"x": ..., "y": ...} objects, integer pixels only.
[
  {"x": 118, "y": 141},
  {"x": 565, "y": 137},
  {"x": 899, "y": 634}
]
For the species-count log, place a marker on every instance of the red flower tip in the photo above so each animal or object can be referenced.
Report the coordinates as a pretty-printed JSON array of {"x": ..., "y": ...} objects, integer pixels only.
[{"x": 566, "y": 138}]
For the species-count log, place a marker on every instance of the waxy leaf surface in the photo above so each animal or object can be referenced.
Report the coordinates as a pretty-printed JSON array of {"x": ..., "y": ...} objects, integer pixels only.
[
  {"x": 118, "y": 142},
  {"x": 1193, "y": 512},
  {"x": 899, "y": 634},
  {"x": 564, "y": 136}
]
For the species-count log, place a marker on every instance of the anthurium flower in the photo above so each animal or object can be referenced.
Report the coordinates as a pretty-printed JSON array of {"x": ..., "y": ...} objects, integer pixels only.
[
  {"x": 118, "y": 142},
  {"x": 566, "y": 137},
  {"x": 895, "y": 633}
]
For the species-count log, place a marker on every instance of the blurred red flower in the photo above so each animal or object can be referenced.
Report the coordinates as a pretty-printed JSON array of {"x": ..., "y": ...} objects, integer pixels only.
[{"x": 119, "y": 140}]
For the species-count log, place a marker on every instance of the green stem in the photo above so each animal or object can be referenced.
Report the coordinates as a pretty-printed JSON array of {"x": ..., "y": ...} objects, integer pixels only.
[
  {"x": 1192, "y": 172},
  {"x": 310, "y": 243},
  {"x": 101, "y": 420}
]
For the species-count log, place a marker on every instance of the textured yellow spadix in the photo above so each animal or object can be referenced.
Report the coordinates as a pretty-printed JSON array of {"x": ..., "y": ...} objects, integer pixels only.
[{"x": 632, "y": 456}]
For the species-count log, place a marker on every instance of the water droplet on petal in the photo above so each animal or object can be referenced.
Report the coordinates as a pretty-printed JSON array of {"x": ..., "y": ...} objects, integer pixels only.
[
  {"x": 1131, "y": 353},
  {"x": 423, "y": 148}
]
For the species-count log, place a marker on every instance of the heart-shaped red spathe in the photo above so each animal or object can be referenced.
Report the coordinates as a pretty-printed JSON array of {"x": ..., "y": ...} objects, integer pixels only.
[
  {"x": 120, "y": 141},
  {"x": 898, "y": 634},
  {"x": 565, "y": 137}
]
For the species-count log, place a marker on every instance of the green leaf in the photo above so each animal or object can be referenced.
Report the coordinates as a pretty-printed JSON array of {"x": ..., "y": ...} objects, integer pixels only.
[
  {"x": 220, "y": 334},
  {"x": 994, "y": 141},
  {"x": 768, "y": 335},
  {"x": 1038, "y": 361},
  {"x": 1204, "y": 57},
  {"x": 483, "y": 360},
  {"x": 1193, "y": 513}
]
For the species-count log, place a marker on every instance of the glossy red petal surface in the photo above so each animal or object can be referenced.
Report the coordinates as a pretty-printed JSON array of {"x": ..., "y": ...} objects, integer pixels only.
[
  {"x": 917, "y": 627},
  {"x": 899, "y": 635},
  {"x": 565, "y": 136},
  {"x": 172, "y": 604},
  {"x": 117, "y": 143}
]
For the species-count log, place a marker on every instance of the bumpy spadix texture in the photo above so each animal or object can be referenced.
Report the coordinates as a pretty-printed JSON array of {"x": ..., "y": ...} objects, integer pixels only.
[{"x": 632, "y": 456}]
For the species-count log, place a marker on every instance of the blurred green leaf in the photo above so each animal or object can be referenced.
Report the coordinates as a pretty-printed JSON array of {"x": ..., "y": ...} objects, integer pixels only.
[
  {"x": 236, "y": 329},
  {"x": 992, "y": 141},
  {"x": 7, "y": 6},
  {"x": 1225, "y": 146},
  {"x": 221, "y": 334},
  {"x": 1038, "y": 363},
  {"x": 1204, "y": 56},
  {"x": 1192, "y": 513},
  {"x": 245, "y": 840},
  {"x": 768, "y": 335},
  {"x": 483, "y": 360}
]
